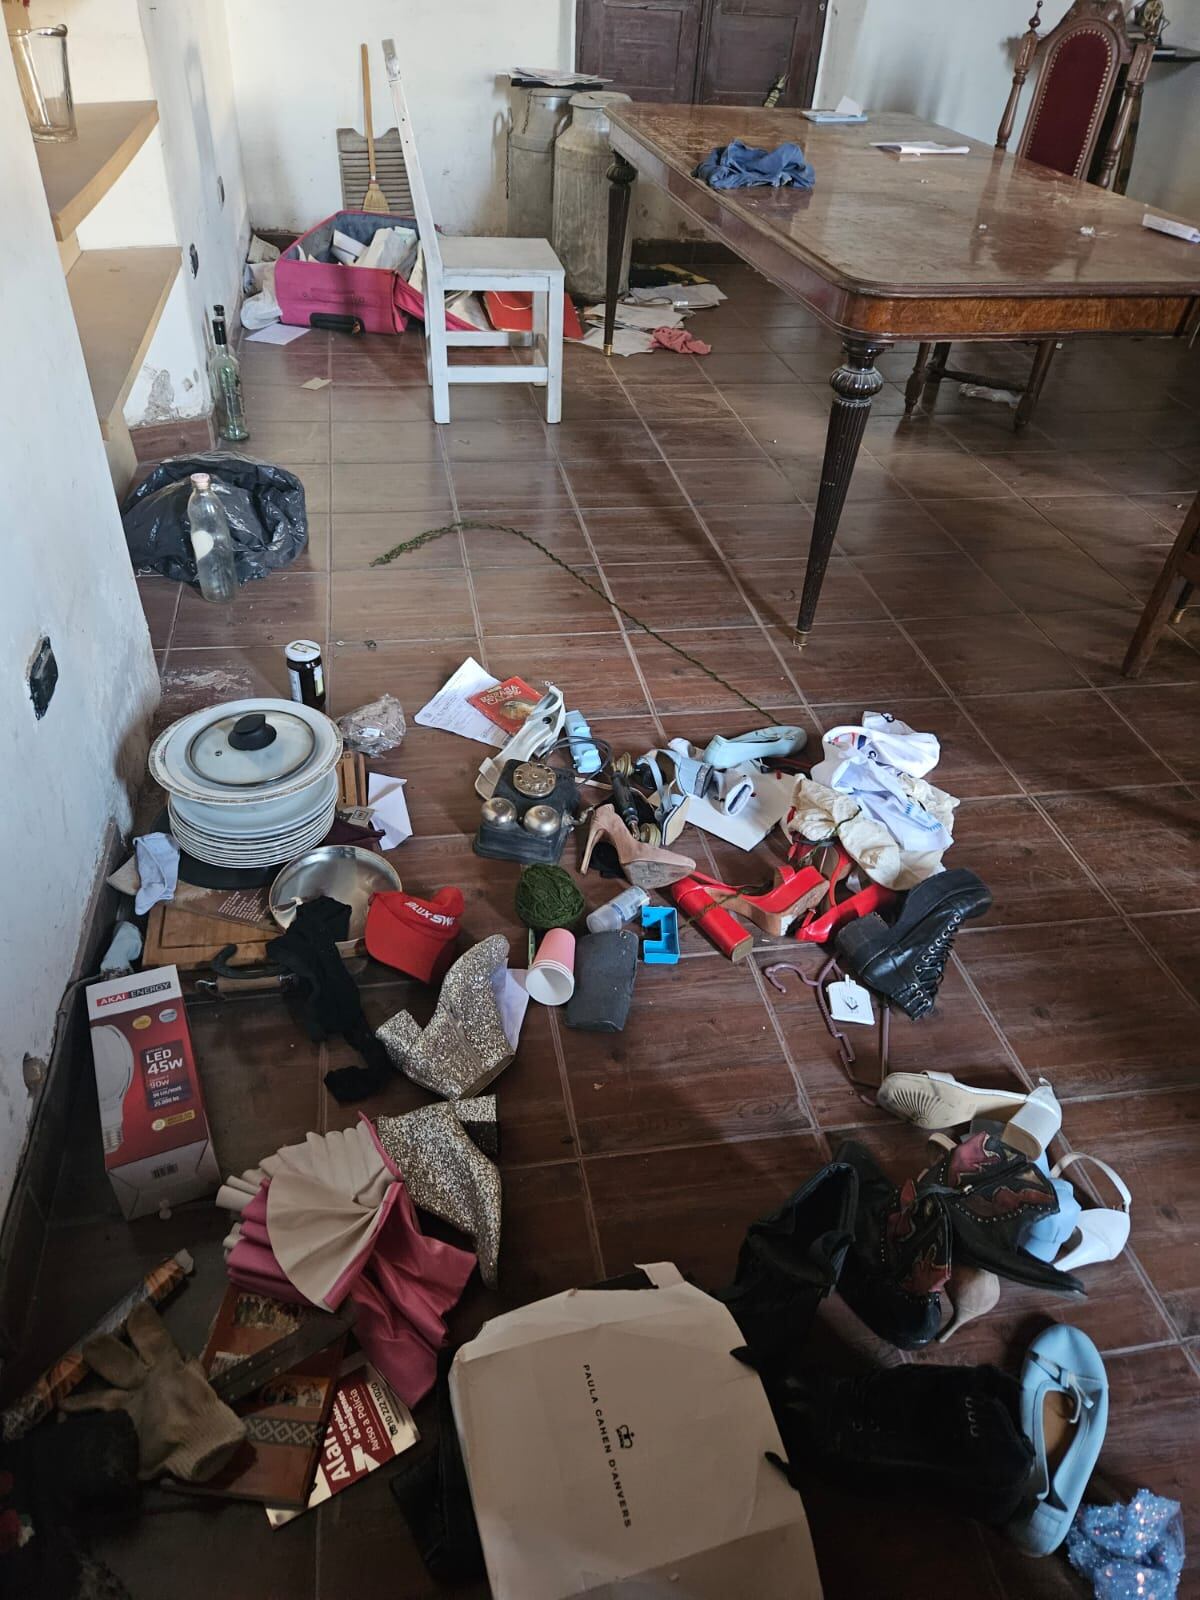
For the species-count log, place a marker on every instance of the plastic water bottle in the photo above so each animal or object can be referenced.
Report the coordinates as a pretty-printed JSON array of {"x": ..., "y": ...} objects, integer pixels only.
[
  {"x": 607, "y": 919},
  {"x": 211, "y": 542}
]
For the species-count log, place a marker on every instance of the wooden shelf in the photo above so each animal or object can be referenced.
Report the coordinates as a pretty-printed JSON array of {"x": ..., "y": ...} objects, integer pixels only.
[
  {"x": 77, "y": 175},
  {"x": 117, "y": 297}
]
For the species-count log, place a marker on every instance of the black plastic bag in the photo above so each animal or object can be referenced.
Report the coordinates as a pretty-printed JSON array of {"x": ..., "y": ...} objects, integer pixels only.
[{"x": 264, "y": 505}]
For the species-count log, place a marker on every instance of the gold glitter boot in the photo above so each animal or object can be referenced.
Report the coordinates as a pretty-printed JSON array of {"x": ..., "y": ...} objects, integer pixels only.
[
  {"x": 465, "y": 1046},
  {"x": 446, "y": 1174}
]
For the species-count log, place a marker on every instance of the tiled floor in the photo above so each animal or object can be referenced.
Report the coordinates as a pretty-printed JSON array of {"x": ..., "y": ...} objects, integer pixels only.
[{"x": 984, "y": 586}]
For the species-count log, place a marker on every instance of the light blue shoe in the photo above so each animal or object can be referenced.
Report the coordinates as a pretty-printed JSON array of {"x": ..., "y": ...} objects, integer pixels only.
[
  {"x": 1064, "y": 1414},
  {"x": 723, "y": 753}
]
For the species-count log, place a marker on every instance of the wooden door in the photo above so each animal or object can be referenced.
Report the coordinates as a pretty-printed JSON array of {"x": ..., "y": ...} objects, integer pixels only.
[
  {"x": 747, "y": 45},
  {"x": 712, "y": 52},
  {"x": 647, "y": 47}
]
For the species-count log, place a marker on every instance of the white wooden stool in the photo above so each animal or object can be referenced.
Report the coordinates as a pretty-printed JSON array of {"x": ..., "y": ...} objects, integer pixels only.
[{"x": 453, "y": 263}]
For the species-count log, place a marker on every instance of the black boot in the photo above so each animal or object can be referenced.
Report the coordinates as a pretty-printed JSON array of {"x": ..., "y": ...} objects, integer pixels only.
[
  {"x": 900, "y": 1258},
  {"x": 904, "y": 962},
  {"x": 789, "y": 1261},
  {"x": 991, "y": 1191},
  {"x": 944, "y": 1435}
]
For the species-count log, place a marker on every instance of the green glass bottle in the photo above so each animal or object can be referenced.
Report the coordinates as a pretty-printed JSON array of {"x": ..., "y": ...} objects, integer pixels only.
[{"x": 226, "y": 381}]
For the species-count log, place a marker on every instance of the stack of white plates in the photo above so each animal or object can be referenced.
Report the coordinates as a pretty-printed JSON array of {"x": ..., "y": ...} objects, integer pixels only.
[{"x": 251, "y": 782}]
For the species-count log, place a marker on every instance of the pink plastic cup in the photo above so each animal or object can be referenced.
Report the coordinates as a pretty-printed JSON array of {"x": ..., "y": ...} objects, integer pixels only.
[{"x": 551, "y": 977}]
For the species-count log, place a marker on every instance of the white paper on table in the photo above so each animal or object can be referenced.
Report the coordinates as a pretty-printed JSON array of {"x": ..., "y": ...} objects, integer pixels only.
[
  {"x": 389, "y": 809},
  {"x": 512, "y": 997},
  {"x": 769, "y": 805},
  {"x": 276, "y": 333},
  {"x": 626, "y": 341},
  {"x": 450, "y": 710}
]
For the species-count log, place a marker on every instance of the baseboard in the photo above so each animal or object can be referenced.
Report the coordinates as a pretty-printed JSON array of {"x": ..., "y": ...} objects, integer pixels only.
[
  {"x": 187, "y": 436},
  {"x": 23, "y": 1230}
]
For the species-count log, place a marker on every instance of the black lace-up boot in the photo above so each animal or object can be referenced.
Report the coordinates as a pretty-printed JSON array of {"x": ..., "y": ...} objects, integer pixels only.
[{"x": 904, "y": 962}]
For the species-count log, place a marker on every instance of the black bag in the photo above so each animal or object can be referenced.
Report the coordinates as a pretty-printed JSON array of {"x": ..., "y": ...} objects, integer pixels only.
[{"x": 264, "y": 505}]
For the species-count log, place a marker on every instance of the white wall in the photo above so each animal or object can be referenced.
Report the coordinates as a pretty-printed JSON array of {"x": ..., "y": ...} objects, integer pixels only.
[
  {"x": 66, "y": 574},
  {"x": 296, "y": 81},
  {"x": 951, "y": 62}
]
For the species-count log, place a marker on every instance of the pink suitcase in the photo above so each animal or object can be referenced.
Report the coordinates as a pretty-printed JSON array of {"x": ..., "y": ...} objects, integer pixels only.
[{"x": 383, "y": 300}]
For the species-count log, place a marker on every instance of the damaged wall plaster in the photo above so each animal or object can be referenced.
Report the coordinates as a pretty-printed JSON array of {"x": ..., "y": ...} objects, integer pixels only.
[{"x": 67, "y": 575}]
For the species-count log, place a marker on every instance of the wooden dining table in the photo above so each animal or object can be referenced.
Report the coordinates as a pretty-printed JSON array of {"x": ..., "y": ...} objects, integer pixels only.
[{"x": 975, "y": 247}]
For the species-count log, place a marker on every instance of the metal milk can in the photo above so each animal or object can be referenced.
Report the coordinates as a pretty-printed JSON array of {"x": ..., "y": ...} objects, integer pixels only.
[
  {"x": 582, "y": 157},
  {"x": 531, "y": 162}
]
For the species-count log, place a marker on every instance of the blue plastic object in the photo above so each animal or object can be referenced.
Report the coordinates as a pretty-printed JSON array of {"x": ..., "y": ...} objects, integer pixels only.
[
  {"x": 583, "y": 752},
  {"x": 1063, "y": 1365},
  {"x": 661, "y": 925},
  {"x": 1132, "y": 1552}
]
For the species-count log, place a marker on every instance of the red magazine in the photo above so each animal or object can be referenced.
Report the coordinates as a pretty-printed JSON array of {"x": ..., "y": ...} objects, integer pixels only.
[
  {"x": 508, "y": 704},
  {"x": 368, "y": 1427}
]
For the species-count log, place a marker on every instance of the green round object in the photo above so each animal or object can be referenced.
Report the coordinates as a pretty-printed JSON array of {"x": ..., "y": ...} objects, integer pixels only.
[{"x": 547, "y": 897}]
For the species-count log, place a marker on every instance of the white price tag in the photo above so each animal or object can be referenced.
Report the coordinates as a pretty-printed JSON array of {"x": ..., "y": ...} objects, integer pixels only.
[{"x": 850, "y": 1002}]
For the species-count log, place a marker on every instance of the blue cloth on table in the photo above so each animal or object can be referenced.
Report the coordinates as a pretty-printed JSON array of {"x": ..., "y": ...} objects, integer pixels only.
[{"x": 742, "y": 166}]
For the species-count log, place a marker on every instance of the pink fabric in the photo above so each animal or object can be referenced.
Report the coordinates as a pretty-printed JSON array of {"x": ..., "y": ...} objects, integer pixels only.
[
  {"x": 680, "y": 339},
  {"x": 402, "y": 1292}
]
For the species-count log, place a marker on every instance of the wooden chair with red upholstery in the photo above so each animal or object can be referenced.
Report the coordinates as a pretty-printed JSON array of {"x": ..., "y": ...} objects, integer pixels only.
[{"x": 1079, "y": 65}]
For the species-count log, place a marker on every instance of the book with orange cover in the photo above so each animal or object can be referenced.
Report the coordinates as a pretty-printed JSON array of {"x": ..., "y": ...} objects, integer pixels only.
[
  {"x": 508, "y": 704},
  {"x": 287, "y": 1418},
  {"x": 511, "y": 311}
]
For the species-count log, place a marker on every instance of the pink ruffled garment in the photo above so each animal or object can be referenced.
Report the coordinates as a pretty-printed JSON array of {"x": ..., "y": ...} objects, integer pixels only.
[
  {"x": 679, "y": 339},
  {"x": 332, "y": 1218}
]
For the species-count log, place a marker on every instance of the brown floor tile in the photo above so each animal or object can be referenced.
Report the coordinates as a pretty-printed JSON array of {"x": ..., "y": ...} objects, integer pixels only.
[
  {"x": 547, "y": 1241},
  {"x": 1052, "y": 580},
  {"x": 1169, "y": 509},
  {"x": 1010, "y": 654},
  {"x": 665, "y": 371},
  {"x": 781, "y": 434},
  {"x": 379, "y": 358},
  {"x": 402, "y": 406},
  {"x": 645, "y": 486},
  {"x": 1062, "y": 995},
  {"x": 692, "y": 1206},
  {"x": 774, "y": 401},
  {"x": 497, "y": 439},
  {"x": 871, "y": 482},
  {"x": 773, "y": 533},
  {"x": 673, "y": 534},
  {"x": 671, "y": 597},
  {"x": 360, "y": 536},
  {"x": 391, "y": 604},
  {"x": 698, "y": 1060},
  {"x": 196, "y": 678},
  {"x": 695, "y": 403},
  {"x": 284, "y": 606},
  {"x": 932, "y": 586},
  {"x": 683, "y": 441},
  {"x": 864, "y": 661},
  {"x": 893, "y": 528},
  {"x": 983, "y": 526},
  {"x": 1176, "y": 940},
  {"x": 611, "y": 440},
  {"x": 288, "y": 444},
  {"x": 1101, "y": 519},
  {"x": 289, "y": 365},
  {"x": 560, "y": 531},
  {"x": 395, "y": 486},
  {"x": 316, "y": 481},
  {"x": 594, "y": 671},
  {"x": 742, "y": 656},
  {"x": 515, "y": 486},
  {"x": 1096, "y": 641},
  {"x": 945, "y": 475},
  {"x": 1167, "y": 718},
  {"x": 274, "y": 402},
  {"x": 441, "y": 775},
  {"x": 535, "y": 598},
  {"x": 723, "y": 369},
  {"x": 1146, "y": 472},
  {"x": 1069, "y": 739},
  {"x": 748, "y": 482},
  {"x": 1142, "y": 844},
  {"x": 774, "y": 590},
  {"x": 1051, "y": 473},
  {"x": 160, "y": 601},
  {"x": 967, "y": 767},
  {"x": 386, "y": 441},
  {"x": 1151, "y": 1141},
  {"x": 412, "y": 672},
  {"x": 1032, "y": 875}
]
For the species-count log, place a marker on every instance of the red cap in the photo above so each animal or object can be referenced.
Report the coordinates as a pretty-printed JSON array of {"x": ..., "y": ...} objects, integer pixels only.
[{"x": 415, "y": 936}]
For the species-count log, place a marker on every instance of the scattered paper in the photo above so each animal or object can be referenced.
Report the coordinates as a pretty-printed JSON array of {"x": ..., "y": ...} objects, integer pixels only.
[
  {"x": 850, "y": 1002},
  {"x": 317, "y": 383},
  {"x": 632, "y": 315},
  {"x": 276, "y": 333},
  {"x": 769, "y": 804},
  {"x": 389, "y": 809},
  {"x": 680, "y": 296},
  {"x": 391, "y": 250},
  {"x": 626, "y": 341},
  {"x": 1178, "y": 230},
  {"x": 552, "y": 78},
  {"x": 450, "y": 711},
  {"x": 921, "y": 147}
]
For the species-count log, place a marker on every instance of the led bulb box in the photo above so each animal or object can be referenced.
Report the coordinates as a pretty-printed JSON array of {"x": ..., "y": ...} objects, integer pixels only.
[{"x": 157, "y": 1145}]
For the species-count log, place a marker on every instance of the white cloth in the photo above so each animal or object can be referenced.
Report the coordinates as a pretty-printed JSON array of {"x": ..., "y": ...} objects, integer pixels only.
[
  {"x": 881, "y": 763},
  {"x": 157, "y": 857}
]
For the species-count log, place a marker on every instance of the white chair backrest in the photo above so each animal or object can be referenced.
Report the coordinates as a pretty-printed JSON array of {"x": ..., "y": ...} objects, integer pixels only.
[{"x": 416, "y": 178}]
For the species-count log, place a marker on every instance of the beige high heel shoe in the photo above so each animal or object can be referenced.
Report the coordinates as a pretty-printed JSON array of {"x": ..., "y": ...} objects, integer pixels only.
[
  {"x": 647, "y": 865},
  {"x": 972, "y": 1293}
]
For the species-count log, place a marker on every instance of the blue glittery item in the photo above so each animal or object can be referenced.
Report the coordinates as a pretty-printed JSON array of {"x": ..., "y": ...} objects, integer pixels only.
[{"x": 1132, "y": 1552}]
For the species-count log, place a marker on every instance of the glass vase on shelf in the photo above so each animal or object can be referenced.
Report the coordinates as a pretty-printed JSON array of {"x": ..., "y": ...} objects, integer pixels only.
[{"x": 40, "y": 57}]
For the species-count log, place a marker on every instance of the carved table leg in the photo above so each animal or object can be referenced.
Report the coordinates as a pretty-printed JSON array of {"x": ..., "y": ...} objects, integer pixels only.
[
  {"x": 620, "y": 180},
  {"x": 1037, "y": 378},
  {"x": 855, "y": 384}
]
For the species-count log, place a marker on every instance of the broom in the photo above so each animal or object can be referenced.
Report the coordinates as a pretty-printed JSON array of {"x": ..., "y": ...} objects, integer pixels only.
[{"x": 374, "y": 199}]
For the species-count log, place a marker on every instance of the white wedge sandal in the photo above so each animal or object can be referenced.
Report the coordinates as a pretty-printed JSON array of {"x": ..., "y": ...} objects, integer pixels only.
[
  {"x": 936, "y": 1100},
  {"x": 1101, "y": 1233}
]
